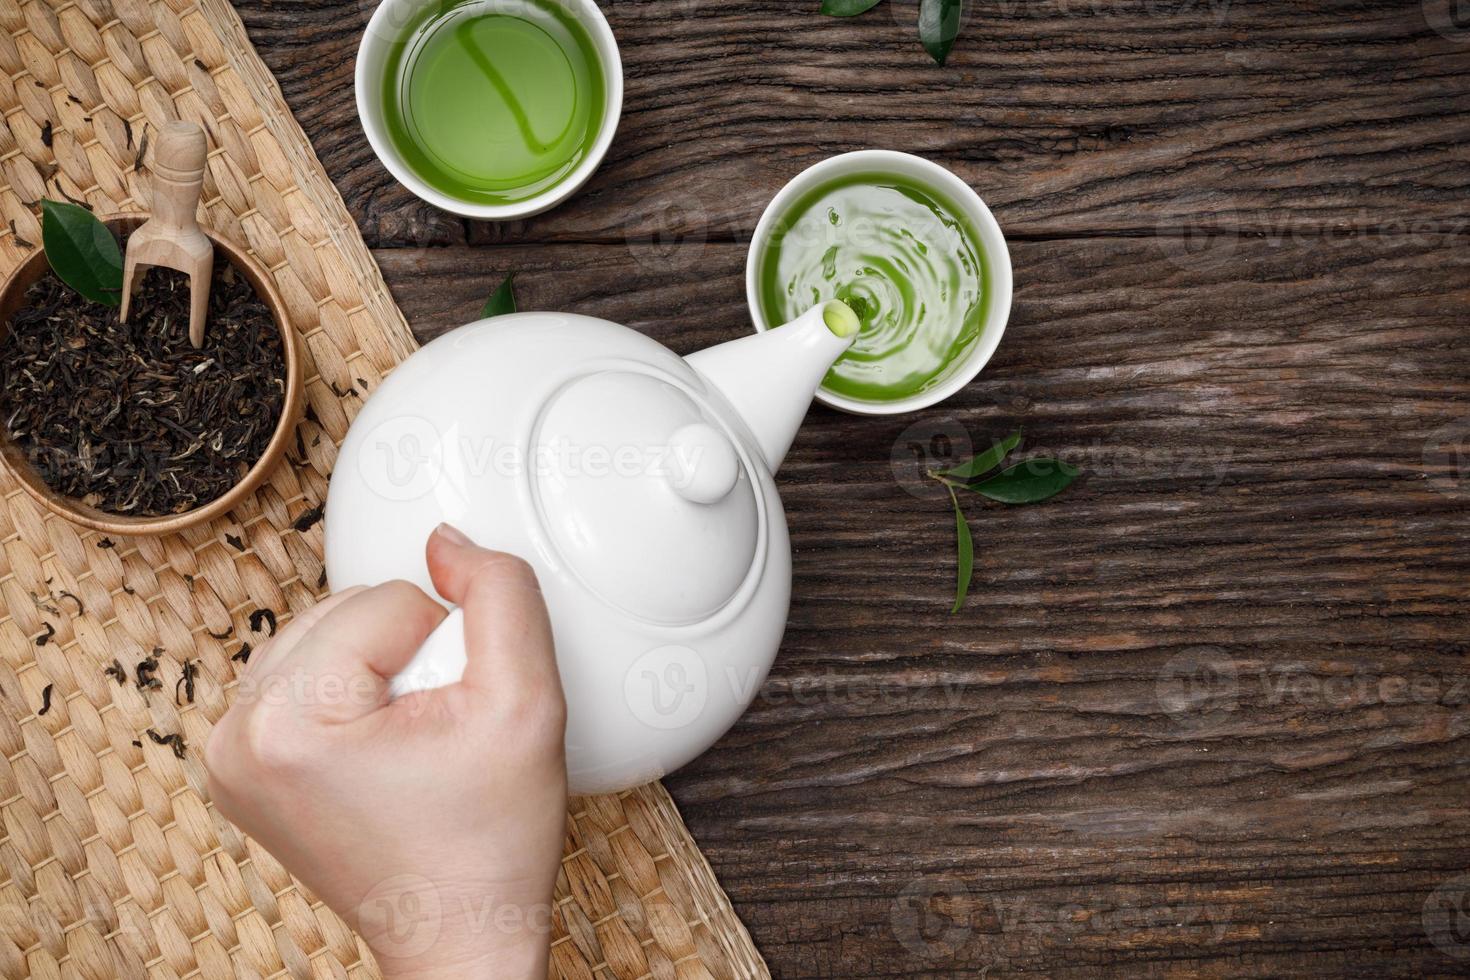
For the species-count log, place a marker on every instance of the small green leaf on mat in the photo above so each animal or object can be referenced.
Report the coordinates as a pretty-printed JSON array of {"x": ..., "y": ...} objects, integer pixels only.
[
  {"x": 964, "y": 553},
  {"x": 982, "y": 463},
  {"x": 502, "y": 301},
  {"x": 939, "y": 25},
  {"x": 82, "y": 252},
  {"x": 847, "y": 8},
  {"x": 1030, "y": 482}
]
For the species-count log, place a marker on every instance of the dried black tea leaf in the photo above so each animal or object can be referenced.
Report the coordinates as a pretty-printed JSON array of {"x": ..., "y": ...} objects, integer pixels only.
[
  {"x": 116, "y": 672},
  {"x": 45, "y": 699},
  {"x": 46, "y": 636},
  {"x": 16, "y": 235},
  {"x": 186, "y": 681},
  {"x": 221, "y": 636},
  {"x": 308, "y": 517},
  {"x": 144, "y": 671},
  {"x": 242, "y": 655},
  {"x": 234, "y": 541},
  {"x": 174, "y": 742},
  {"x": 263, "y": 617}
]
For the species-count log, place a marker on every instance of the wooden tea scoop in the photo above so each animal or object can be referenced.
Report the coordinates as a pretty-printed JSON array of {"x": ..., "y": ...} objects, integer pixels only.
[{"x": 171, "y": 237}]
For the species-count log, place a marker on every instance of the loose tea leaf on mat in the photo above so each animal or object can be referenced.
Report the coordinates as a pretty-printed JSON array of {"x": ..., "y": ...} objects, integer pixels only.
[
  {"x": 186, "y": 681},
  {"x": 309, "y": 517},
  {"x": 175, "y": 742},
  {"x": 82, "y": 251},
  {"x": 144, "y": 670},
  {"x": 131, "y": 418},
  {"x": 263, "y": 619}
]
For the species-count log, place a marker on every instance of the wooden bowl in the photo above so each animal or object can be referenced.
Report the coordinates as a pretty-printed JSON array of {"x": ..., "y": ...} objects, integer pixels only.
[{"x": 12, "y": 298}]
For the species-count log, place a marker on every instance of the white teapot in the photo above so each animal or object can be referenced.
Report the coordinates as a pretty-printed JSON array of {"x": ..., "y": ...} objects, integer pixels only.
[{"x": 636, "y": 482}]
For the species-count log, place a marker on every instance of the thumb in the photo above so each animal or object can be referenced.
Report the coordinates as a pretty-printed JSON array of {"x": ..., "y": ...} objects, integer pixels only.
[{"x": 508, "y": 639}]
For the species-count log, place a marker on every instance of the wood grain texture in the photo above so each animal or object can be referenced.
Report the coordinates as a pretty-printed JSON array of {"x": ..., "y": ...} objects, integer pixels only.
[
  {"x": 1068, "y": 116},
  {"x": 1207, "y": 713}
]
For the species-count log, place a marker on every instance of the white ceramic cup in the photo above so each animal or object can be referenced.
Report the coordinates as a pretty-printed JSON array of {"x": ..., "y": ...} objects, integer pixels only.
[
  {"x": 951, "y": 189},
  {"x": 385, "y": 27}
]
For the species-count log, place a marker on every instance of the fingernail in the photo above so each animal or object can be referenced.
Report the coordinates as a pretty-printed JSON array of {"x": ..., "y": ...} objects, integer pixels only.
[{"x": 453, "y": 535}]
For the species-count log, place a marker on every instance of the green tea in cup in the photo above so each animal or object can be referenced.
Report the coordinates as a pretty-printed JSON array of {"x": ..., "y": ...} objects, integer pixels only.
[
  {"x": 493, "y": 102},
  {"x": 905, "y": 257}
]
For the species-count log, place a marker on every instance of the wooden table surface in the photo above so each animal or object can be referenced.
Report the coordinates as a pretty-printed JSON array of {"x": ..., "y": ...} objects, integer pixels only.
[{"x": 1209, "y": 711}]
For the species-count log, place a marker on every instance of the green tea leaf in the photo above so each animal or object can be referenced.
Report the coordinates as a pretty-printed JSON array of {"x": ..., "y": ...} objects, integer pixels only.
[
  {"x": 847, "y": 8},
  {"x": 82, "y": 252},
  {"x": 939, "y": 25},
  {"x": 502, "y": 301},
  {"x": 982, "y": 463},
  {"x": 1030, "y": 482},
  {"x": 965, "y": 554}
]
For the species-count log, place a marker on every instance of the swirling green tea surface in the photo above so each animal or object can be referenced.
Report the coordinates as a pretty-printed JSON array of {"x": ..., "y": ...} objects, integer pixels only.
[{"x": 907, "y": 262}]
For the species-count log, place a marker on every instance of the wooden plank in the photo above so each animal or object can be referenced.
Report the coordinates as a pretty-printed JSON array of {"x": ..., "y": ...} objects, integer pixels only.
[
  {"x": 1206, "y": 713},
  {"x": 1124, "y": 116}
]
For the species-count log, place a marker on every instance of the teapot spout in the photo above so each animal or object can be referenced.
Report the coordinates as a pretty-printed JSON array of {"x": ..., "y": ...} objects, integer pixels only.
[{"x": 769, "y": 378}]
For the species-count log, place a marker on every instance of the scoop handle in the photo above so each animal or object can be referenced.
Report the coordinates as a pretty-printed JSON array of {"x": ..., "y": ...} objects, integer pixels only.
[
  {"x": 440, "y": 661},
  {"x": 178, "y": 177},
  {"x": 171, "y": 237}
]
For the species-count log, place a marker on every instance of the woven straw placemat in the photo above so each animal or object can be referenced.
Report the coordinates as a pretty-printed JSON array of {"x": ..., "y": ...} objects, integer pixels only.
[{"x": 112, "y": 861}]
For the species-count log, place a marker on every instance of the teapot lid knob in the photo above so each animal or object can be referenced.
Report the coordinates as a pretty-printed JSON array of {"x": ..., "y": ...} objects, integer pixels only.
[{"x": 702, "y": 465}]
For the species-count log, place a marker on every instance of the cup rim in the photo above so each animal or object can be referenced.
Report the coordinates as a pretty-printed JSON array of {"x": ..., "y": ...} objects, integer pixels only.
[
  {"x": 960, "y": 194},
  {"x": 588, "y": 13}
]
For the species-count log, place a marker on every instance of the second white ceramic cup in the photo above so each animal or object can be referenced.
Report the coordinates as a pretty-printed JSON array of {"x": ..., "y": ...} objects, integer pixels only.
[
  {"x": 950, "y": 188},
  {"x": 385, "y": 28}
]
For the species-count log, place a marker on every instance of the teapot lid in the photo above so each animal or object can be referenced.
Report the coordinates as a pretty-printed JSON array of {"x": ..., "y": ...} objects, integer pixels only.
[{"x": 646, "y": 495}]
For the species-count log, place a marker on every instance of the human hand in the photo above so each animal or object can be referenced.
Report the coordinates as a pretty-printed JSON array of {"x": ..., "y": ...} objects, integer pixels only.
[{"x": 433, "y": 824}]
